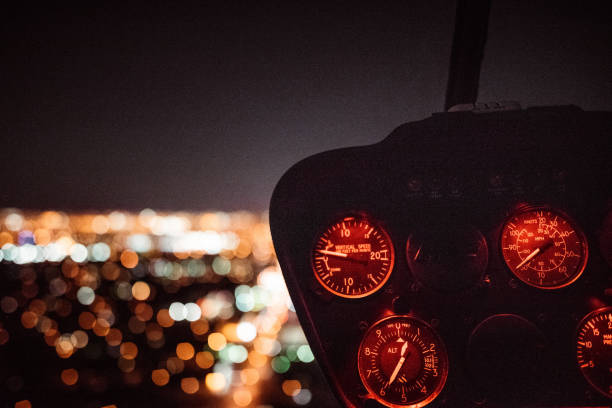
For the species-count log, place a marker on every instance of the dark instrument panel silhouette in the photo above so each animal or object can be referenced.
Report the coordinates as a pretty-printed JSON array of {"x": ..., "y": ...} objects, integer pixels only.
[{"x": 465, "y": 260}]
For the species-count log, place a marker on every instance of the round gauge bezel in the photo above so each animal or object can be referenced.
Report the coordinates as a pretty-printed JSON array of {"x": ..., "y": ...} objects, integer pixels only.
[
  {"x": 417, "y": 274},
  {"x": 582, "y": 323},
  {"x": 444, "y": 364},
  {"x": 572, "y": 223},
  {"x": 374, "y": 223}
]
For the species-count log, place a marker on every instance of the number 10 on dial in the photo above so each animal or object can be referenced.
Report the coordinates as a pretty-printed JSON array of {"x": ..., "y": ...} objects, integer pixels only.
[{"x": 353, "y": 257}]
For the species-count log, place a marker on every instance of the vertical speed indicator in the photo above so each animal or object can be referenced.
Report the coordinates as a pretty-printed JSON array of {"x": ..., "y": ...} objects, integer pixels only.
[{"x": 353, "y": 257}]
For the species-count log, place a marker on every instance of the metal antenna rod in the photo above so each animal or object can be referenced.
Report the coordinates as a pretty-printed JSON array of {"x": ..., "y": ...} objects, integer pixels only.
[{"x": 471, "y": 24}]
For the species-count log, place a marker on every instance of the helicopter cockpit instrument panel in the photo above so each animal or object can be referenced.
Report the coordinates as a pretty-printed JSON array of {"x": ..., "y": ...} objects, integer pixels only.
[{"x": 465, "y": 260}]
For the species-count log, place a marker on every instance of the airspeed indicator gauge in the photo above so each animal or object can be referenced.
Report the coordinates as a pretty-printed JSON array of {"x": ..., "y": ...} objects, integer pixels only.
[{"x": 544, "y": 248}]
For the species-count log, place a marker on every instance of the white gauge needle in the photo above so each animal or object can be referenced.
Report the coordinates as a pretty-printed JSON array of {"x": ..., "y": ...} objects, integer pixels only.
[
  {"x": 399, "y": 363},
  {"x": 529, "y": 258},
  {"x": 332, "y": 253}
]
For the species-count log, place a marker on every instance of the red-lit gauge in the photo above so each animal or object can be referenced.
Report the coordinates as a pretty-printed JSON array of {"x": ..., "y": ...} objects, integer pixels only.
[
  {"x": 594, "y": 349},
  {"x": 544, "y": 248},
  {"x": 353, "y": 257},
  {"x": 402, "y": 362}
]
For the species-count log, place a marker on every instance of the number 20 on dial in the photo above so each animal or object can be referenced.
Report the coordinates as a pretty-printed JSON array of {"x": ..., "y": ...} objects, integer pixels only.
[
  {"x": 353, "y": 257},
  {"x": 544, "y": 248}
]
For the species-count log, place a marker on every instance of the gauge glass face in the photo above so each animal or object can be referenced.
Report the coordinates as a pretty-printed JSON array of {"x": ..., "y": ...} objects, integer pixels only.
[
  {"x": 594, "y": 349},
  {"x": 544, "y": 248},
  {"x": 402, "y": 362},
  {"x": 449, "y": 260},
  {"x": 353, "y": 257}
]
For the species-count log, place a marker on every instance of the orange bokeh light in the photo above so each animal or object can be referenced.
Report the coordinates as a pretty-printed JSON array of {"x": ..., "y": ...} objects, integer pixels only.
[
  {"x": 101, "y": 327},
  {"x": 190, "y": 385},
  {"x": 199, "y": 327},
  {"x": 114, "y": 337},
  {"x": 216, "y": 341},
  {"x": 291, "y": 388},
  {"x": 160, "y": 377},
  {"x": 184, "y": 351},
  {"x": 70, "y": 376},
  {"x": 29, "y": 319},
  {"x": 175, "y": 365},
  {"x": 215, "y": 382},
  {"x": 37, "y": 306},
  {"x": 129, "y": 259},
  {"x": 143, "y": 312},
  {"x": 242, "y": 397},
  {"x": 141, "y": 290},
  {"x": 204, "y": 359},
  {"x": 128, "y": 350},
  {"x": 164, "y": 319},
  {"x": 87, "y": 320}
]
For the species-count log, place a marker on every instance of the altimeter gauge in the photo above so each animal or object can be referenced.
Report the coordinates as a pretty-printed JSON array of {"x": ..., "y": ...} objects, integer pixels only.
[
  {"x": 402, "y": 362},
  {"x": 353, "y": 257}
]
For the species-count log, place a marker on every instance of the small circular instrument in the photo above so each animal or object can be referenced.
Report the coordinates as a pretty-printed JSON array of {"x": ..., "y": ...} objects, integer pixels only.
[
  {"x": 402, "y": 362},
  {"x": 543, "y": 247},
  {"x": 451, "y": 259},
  {"x": 353, "y": 257},
  {"x": 594, "y": 349},
  {"x": 506, "y": 359}
]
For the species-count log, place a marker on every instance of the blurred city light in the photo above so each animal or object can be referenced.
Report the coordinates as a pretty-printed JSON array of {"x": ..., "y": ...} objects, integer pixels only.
[{"x": 190, "y": 303}]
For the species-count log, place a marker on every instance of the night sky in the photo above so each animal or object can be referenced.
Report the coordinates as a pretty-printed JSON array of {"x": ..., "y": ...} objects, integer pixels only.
[{"x": 204, "y": 105}]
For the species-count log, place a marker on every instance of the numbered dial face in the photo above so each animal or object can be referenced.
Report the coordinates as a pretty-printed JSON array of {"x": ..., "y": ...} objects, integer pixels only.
[
  {"x": 594, "y": 349},
  {"x": 402, "y": 362},
  {"x": 544, "y": 248},
  {"x": 353, "y": 257}
]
